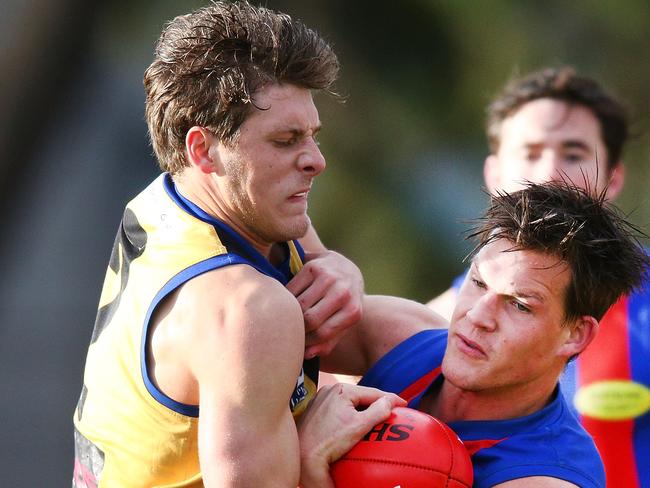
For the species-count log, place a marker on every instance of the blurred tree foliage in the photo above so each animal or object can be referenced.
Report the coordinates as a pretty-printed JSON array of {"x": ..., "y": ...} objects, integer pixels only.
[{"x": 406, "y": 146}]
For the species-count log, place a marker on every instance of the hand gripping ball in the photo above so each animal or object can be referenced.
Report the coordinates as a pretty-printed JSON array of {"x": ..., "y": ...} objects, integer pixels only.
[{"x": 409, "y": 450}]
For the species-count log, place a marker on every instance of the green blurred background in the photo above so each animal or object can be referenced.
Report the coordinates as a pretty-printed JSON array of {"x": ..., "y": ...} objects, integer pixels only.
[{"x": 405, "y": 152}]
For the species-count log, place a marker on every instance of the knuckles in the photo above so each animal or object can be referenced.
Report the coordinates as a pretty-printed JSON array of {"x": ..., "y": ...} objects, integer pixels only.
[{"x": 354, "y": 314}]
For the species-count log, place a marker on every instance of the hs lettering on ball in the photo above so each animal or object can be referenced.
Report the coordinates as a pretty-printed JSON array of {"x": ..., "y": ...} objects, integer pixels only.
[
  {"x": 411, "y": 449},
  {"x": 396, "y": 432}
]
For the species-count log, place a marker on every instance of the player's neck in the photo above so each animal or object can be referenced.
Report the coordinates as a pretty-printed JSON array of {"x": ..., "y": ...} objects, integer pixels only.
[
  {"x": 202, "y": 193},
  {"x": 451, "y": 404}
]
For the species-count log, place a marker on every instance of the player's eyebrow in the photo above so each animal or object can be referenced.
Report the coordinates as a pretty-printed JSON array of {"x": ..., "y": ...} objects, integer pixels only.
[
  {"x": 524, "y": 293},
  {"x": 576, "y": 144},
  {"x": 296, "y": 131},
  {"x": 528, "y": 295}
]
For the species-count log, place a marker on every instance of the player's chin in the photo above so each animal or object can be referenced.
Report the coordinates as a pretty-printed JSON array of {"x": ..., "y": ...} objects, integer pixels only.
[
  {"x": 293, "y": 228},
  {"x": 459, "y": 372}
]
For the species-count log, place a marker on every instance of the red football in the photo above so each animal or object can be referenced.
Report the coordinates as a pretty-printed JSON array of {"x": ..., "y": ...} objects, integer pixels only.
[{"x": 409, "y": 450}]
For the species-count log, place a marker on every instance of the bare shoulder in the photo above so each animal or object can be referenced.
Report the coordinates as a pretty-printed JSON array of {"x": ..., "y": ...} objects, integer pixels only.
[
  {"x": 238, "y": 292},
  {"x": 536, "y": 482},
  {"x": 226, "y": 320},
  {"x": 239, "y": 309}
]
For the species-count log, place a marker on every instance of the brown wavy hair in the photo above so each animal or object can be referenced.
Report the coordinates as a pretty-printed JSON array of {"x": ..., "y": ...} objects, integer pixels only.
[{"x": 208, "y": 65}]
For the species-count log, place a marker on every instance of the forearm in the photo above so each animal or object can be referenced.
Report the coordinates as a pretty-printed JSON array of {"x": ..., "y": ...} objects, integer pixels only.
[
  {"x": 386, "y": 322},
  {"x": 315, "y": 474}
]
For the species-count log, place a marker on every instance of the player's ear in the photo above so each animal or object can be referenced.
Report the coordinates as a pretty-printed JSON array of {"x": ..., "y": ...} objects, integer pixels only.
[
  {"x": 491, "y": 173},
  {"x": 201, "y": 150},
  {"x": 616, "y": 181},
  {"x": 581, "y": 333}
]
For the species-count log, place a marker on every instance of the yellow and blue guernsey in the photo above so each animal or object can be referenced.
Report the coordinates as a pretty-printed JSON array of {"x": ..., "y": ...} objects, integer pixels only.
[{"x": 128, "y": 433}]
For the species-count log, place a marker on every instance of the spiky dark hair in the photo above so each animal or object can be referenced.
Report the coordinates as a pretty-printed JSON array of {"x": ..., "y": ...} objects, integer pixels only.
[{"x": 593, "y": 237}]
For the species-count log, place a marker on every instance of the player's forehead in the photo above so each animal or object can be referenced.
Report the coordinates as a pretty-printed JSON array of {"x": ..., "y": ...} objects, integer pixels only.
[
  {"x": 284, "y": 107},
  {"x": 521, "y": 272},
  {"x": 549, "y": 119}
]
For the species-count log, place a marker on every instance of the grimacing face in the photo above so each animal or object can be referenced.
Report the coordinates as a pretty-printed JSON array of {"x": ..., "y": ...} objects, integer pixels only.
[
  {"x": 269, "y": 170},
  {"x": 547, "y": 140},
  {"x": 508, "y": 331}
]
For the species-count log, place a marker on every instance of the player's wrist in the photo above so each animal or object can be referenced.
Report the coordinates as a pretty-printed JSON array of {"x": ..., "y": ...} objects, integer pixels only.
[
  {"x": 314, "y": 465},
  {"x": 315, "y": 474}
]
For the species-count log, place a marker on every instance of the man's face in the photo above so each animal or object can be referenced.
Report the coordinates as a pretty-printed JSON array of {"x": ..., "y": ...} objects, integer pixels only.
[
  {"x": 547, "y": 140},
  {"x": 270, "y": 168},
  {"x": 507, "y": 330}
]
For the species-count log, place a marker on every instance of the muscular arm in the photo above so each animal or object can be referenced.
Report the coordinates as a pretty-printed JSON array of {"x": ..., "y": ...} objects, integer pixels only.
[
  {"x": 246, "y": 354},
  {"x": 386, "y": 322}
]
